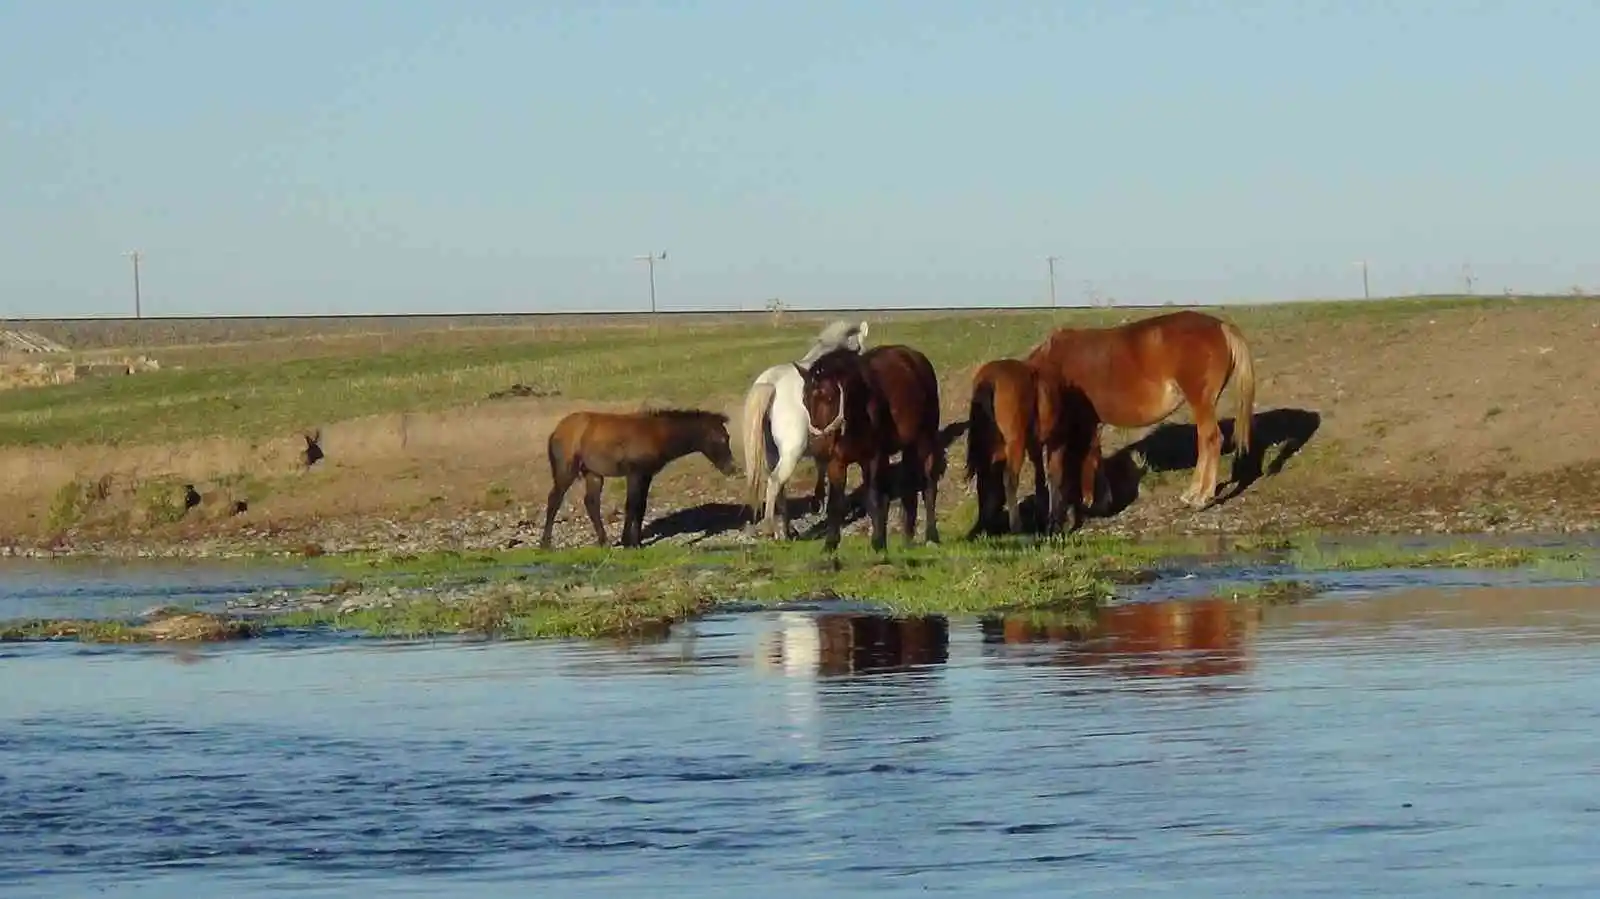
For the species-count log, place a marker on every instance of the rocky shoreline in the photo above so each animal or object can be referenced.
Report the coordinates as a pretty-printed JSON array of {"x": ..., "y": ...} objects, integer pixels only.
[{"x": 1356, "y": 512}]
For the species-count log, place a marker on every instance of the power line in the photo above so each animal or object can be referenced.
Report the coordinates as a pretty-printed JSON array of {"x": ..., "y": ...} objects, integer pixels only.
[{"x": 651, "y": 260}]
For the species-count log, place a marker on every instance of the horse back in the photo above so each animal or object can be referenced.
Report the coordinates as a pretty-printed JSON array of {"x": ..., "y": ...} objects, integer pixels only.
[
  {"x": 904, "y": 380},
  {"x": 1015, "y": 386},
  {"x": 605, "y": 442}
]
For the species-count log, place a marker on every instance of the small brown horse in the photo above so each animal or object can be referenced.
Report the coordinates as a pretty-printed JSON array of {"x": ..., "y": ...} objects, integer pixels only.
[
  {"x": 1019, "y": 413},
  {"x": 878, "y": 403},
  {"x": 1003, "y": 432},
  {"x": 636, "y": 446},
  {"x": 1137, "y": 374}
]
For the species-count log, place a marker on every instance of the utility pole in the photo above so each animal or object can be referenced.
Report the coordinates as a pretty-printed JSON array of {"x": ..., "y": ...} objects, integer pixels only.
[
  {"x": 1366, "y": 291},
  {"x": 138, "y": 310},
  {"x": 1051, "y": 261},
  {"x": 651, "y": 259}
]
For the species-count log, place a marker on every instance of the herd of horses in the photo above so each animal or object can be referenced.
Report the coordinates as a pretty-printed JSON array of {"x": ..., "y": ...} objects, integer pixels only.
[{"x": 845, "y": 405}]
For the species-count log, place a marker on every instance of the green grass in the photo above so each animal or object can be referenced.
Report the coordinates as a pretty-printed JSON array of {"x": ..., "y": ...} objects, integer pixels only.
[
  {"x": 593, "y": 592},
  {"x": 273, "y": 389},
  {"x": 1310, "y": 556},
  {"x": 169, "y": 625},
  {"x": 518, "y": 611},
  {"x": 1274, "y": 592}
]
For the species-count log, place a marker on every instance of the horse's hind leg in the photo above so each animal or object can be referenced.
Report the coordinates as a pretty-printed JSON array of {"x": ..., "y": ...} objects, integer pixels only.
[
  {"x": 592, "y": 485},
  {"x": 910, "y": 484},
  {"x": 1013, "y": 508},
  {"x": 1208, "y": 449},
  {"x": 562, "y": 482},
  {"x": 932, "y": 470},
  {"x": 1041, "y": 487},
  {"x": 1015, "y": 456},
  {"x": 778, "y": 495}
]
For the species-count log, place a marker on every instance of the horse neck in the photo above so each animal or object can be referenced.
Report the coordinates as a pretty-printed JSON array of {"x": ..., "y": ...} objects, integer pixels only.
[
  {"x": 858, "y": 399},
  {"x": 680, "y": 438}
]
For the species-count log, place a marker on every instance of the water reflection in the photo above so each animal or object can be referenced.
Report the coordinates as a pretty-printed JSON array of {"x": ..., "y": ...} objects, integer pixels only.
[
  {"x": 887, "y": 756},
  {"x": 838, "y": 644},
  {"x": 1174, "y": 638}
]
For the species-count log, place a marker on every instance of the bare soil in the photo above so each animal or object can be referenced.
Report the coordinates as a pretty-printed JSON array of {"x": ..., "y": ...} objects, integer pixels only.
[{"x": 1469, "y": 418}]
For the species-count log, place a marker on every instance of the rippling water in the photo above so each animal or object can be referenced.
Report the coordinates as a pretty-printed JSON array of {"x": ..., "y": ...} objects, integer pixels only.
[{"x": 1430, "y": 743}]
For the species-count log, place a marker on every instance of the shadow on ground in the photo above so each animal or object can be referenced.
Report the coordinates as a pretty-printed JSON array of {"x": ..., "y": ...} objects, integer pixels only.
[{"x": 1171, "y": 447}]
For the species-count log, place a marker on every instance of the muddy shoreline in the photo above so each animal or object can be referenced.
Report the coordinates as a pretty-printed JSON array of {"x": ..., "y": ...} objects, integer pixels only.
[{"x": 1556, "y": 503}]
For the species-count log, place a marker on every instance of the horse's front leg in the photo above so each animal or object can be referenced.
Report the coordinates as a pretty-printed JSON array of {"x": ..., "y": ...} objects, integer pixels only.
[
  {"x": 835, "y": 471},
  {"x": 818, "y": 492},
  {"x": 877, "y": 479},
  {"x": 1092, "y": 475},
  {"x": 932, "y": 470},
  {"x": 593, "y": 485},
  {"x": 633, "y": 512},
  {"x": 911, "y": 473}
]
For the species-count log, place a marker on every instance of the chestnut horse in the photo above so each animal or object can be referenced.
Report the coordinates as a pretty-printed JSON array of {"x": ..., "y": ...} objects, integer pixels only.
[
  {"x": 877, "y": 403},
  {"x": 1019, "y": 413},
  {"x": 1003, "y": 432},
  {"x": 636, "y": 446},
  {"x": 1138, "y": 374}
]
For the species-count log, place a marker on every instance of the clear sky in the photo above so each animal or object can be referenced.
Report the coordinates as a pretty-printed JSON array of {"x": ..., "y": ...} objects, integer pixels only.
[{"x": 290, "y": 156}]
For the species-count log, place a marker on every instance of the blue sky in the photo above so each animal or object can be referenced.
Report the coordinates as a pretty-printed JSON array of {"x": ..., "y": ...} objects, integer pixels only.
[{"x": 364, "y": 156}]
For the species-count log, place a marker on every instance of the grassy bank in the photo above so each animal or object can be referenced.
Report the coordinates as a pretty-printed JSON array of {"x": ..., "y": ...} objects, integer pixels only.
[
  {"x": 264, "y": 388},
  {"x": 606, "y": 593},
  {"x": 1372, "y": 417}
]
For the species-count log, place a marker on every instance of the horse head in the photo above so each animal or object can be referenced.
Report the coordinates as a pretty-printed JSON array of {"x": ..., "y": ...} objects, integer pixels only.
[
  {"x": 823, "y": 389},
  {"x": 716, "y": 445}
]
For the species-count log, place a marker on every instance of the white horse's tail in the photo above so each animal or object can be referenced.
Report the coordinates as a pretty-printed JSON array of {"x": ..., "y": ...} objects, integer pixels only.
[{"x": 756, "y": 404}]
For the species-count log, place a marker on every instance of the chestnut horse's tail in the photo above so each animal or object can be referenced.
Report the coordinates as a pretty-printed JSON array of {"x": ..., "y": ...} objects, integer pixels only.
[
  {"x": 980, "y": 428},
  {"x": 756, "y": 403},
  {"x": 1244, "y": 371}
]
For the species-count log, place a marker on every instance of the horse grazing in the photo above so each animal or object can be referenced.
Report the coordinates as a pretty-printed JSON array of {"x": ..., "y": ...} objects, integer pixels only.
[
  {"x": 637, "y": 445},
  {"x": 1003, "y": 431},
  {"x": 1138, "y": 374},
  {"x": 1019, "y": 413},
  {"x": 878, "y": 403},
  {"x": 775, "y": 424}
]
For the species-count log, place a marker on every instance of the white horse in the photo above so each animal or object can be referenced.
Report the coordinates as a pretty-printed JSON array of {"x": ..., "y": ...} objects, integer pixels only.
[{"x": 775, "y": 418}]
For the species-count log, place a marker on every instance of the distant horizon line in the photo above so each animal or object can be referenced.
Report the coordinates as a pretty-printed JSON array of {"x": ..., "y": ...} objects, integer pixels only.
[{"x": 798, "y": 310}]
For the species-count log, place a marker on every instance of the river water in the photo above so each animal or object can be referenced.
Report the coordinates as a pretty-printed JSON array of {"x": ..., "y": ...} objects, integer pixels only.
[{"x": 1419, "y": 742}]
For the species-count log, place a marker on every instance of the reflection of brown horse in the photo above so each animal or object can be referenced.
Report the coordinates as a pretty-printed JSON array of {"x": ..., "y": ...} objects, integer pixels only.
[
  {"x": 878, "y": 403},
  {"x": 831, "y": 645},
  {"x": 600, "y": 445},
  {"x": 1139, "y": 373},
  {"x": 1174, "y": 638}
]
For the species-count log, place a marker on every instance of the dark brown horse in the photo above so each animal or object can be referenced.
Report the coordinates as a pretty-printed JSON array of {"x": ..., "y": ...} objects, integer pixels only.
[
  {"x": 636, "y": 446},
  {"x": 1137, "y": 374},
  {"x": 878, "y": 403}
]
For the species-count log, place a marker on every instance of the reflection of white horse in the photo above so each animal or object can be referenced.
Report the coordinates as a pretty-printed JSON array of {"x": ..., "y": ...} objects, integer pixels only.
[{"x": 775, "y": 413}]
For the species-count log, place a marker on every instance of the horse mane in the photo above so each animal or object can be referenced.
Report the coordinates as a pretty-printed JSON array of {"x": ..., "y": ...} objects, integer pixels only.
[
  {"x": 1036, "y": 348},
  {"x": 687, "y": 415},
  {"x": 841, "y": 360}
]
